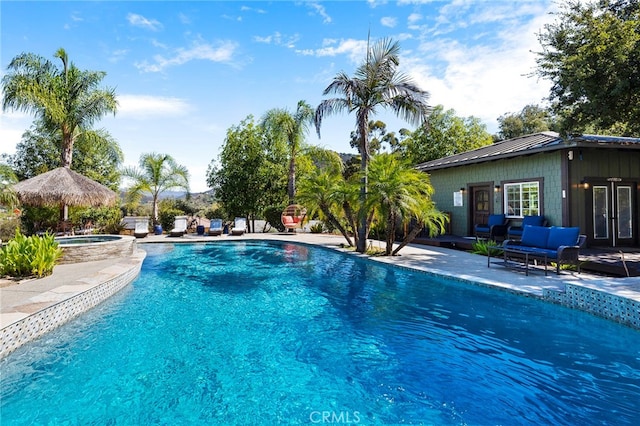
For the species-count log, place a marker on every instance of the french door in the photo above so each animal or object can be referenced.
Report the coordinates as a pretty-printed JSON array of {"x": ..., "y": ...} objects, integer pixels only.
[{"x": 612, "y": 208}]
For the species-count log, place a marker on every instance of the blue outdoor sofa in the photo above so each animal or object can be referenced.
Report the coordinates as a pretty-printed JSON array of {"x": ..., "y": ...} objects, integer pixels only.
[{"x": 549, "y": 244}]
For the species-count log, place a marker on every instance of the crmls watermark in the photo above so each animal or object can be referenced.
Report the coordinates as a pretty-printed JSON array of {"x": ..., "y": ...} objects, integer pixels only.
[{"x": 344, "y": 417}]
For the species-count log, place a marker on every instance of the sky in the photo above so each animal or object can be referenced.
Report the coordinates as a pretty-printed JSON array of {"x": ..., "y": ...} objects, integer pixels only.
[{"x": 184, "y": 72}]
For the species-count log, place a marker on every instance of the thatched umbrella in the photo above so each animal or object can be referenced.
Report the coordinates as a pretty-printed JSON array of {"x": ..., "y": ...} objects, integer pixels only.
[{"x": 63, "y": 187}]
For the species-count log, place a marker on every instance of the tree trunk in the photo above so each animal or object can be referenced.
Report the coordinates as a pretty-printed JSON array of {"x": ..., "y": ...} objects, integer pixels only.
[
  {"x": 391, "y": 233},
  {"x": 333, "y": 220},
  {"x": 363, "y": 228},
  {"x": 291, "y": 185},
  {"x": 348, "y": 212},
  {"x": 410, "y": 237},
  {"x": 155, "y": 209},
  {"x": 66, "y": 149}
]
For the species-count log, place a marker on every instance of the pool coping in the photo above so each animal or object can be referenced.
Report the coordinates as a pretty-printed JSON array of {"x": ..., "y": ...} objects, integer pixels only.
[{"x": 34, "y": 307}]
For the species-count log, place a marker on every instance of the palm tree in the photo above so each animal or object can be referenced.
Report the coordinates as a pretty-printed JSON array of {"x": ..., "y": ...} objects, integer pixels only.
[
  {"x": 157, "y": 173},
  {"x": 376, "y": 84},
  {"x": 401, "y": 195},
  {"x": 325, "y": 193},
  {"x": 68, "y": 99},
  {"x": 292, "y": 128}
]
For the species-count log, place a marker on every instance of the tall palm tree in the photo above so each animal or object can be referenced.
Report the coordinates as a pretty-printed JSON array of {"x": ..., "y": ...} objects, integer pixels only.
[
  {"x": 292, "y": 128},
  {"x": 377, "y": 83},
  {"x": 401, "y": 195},
  {"x": 156, "y": 174},
  {"x": 65, "y": 99}
]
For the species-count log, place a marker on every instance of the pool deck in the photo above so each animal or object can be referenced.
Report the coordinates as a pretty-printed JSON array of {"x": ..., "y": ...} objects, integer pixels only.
[{"x": 22, "y": 299}]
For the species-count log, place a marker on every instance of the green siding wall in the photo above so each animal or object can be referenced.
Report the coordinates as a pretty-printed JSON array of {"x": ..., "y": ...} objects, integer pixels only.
[
  {"x": 545, "y": 166},
  {"x": 596, "y": 166}
]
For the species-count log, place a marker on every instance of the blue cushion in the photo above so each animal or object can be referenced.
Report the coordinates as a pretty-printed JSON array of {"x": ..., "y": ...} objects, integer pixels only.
[
  {"x": 561, "y": 236},
  {"x": 535, "y": 236},
  {"x": 533, "y": 220},
  {"x": 496, "y": 219},
  {"x": 516, "y": 230},
  {"x": 482, "y": 228}
]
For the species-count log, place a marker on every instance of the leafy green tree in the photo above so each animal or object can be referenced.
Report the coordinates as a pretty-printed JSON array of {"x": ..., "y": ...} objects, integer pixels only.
[
  {"x": 401, "y": 195},
  {"x": 444, "y": 134},
  {"x": 156, "y": 174},
  {"x": 250, "y": 173},
  {"x": 292, "y": 128},
  {"x": 532, "y": 119},
  {"x": 98, "y": 155},
  {"x": 65, "y": 99},
  {"x": 7, "y": 178},
  {"x": 591, "y": 55},
  {"x": 376, "y": 84}
]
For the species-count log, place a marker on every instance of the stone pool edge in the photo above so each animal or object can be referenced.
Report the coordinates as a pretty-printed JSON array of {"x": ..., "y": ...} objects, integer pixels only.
[{"x": 51, "y": 309}]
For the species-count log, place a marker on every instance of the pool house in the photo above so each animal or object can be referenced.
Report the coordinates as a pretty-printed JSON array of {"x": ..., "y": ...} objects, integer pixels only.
[{"x": 587, "y": 181}]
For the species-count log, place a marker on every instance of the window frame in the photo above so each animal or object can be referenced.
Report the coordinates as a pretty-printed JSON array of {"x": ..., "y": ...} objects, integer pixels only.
[{"x": 520, "y": 184}]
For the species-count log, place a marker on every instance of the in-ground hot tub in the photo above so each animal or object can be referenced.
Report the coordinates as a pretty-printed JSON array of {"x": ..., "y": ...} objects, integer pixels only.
[{"x": 86, "y": 248}]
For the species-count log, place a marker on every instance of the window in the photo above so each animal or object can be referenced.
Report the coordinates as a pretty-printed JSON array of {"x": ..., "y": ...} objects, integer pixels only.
[{"x": 522, "y": 199}]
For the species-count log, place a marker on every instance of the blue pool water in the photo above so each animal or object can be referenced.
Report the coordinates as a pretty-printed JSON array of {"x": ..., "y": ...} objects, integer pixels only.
[{"x": 265, "y": 333}]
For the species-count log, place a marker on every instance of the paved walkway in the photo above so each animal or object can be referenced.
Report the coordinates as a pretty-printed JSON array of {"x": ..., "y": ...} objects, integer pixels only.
[{"x": 28, "y": 296}]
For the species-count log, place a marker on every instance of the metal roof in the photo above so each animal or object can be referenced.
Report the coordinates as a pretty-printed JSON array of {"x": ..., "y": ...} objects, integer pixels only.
[{"x": 527, "y": 145}]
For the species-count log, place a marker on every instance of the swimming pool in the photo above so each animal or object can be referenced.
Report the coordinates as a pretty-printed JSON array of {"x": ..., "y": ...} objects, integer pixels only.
[{"x": 266, "y": 333}]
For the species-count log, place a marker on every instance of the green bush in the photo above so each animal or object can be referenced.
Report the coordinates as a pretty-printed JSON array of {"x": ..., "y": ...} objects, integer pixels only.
[
  {"x": 317, "y": 228},
  {"x": 167, "y": 217},
  {"x": 273, "y": 215},
  {"x": 484, "y": 246},
  {"x": 28, "y": 256}
]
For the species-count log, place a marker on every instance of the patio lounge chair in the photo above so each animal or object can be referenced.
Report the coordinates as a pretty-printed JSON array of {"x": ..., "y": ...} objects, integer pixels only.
[
  {"x": 179, "y": 226},
  {"x": 494, "y": 229},
  {"x": 239, "y": 226},
  {"x": 141, "y": 227},
  {"x": 215, "y": 227}
]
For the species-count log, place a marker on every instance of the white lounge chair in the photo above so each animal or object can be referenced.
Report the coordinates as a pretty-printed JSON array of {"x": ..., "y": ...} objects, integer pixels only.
[
  {"x": 215, "y": 227},
  {"x": 141, "y": 227},
  {"x": 179, "y": 226},
  {"x": 239, "y": 226}
]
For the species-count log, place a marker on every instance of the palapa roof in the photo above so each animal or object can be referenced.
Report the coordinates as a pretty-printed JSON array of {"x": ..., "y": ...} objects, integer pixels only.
[
  {"x": 527, "y": 145},
  {"x": 63, "y": 186}
]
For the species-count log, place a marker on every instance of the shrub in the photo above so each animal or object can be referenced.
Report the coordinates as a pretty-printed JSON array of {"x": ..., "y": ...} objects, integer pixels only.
[
  {"x": 484, "y": 246},
  {"x": 27, "y": 256},
  {"x": 273, "y": 215},
  {"x": 317, "y": 228},
  {"x": 167, "y": 217}
]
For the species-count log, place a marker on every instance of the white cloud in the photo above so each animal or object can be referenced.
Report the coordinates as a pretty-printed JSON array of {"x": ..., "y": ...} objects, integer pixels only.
[
  {"x": 118, "y": 55},
  {"x": 185, "y": 19},
  {"x": 388, "y": 21},
  {"x": 142, "y": 22},
  {"x": 320, "y": 10},
  {"x": 278, "y": 39},
  {"x": 414, "y": 18},
  {"x": 222, "y": 52},
  {"x": 12, "y": 125},
  {"x": 485, "y": 80},
  {"x": 354, "y": 49},
  {"x": 145, "y": 106}
]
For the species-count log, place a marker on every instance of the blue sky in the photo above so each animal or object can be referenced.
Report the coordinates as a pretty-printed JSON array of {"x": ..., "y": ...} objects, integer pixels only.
[{"x": 186, "y": 71}]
